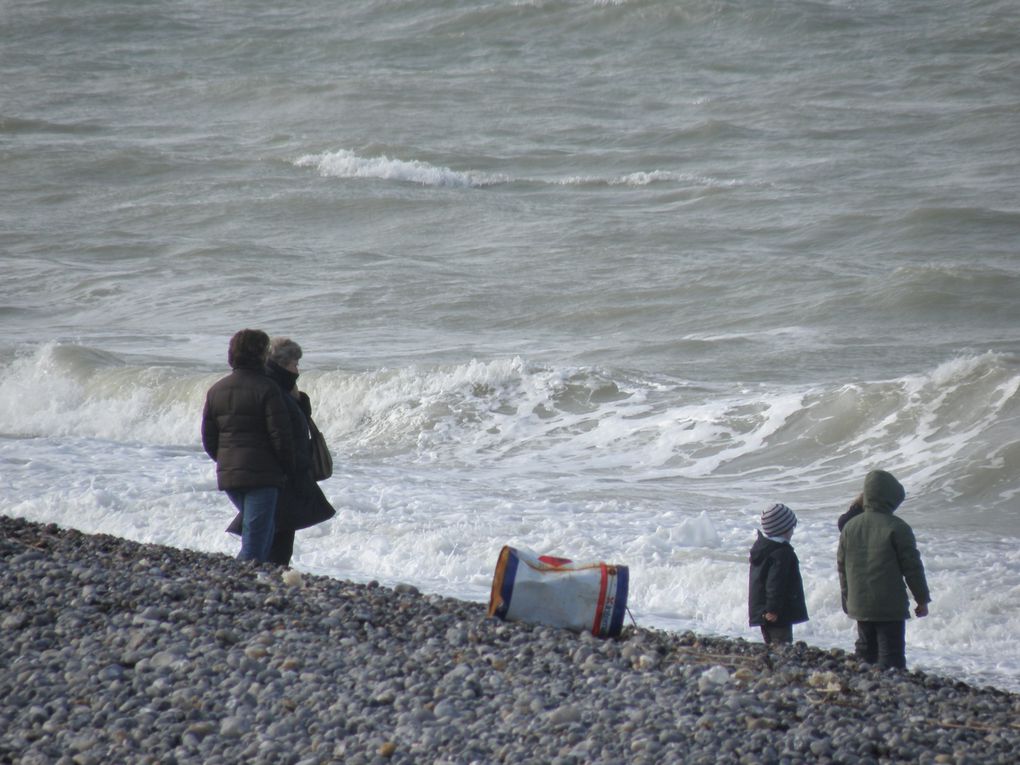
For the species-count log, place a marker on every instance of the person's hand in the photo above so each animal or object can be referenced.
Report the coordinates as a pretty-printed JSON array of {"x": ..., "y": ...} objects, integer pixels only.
[
  {"x": 921, "y": 610},
  {"x": 770, "y": 617}
]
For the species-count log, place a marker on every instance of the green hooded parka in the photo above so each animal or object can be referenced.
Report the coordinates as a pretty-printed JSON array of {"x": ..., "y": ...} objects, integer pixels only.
[{"x": 877, "y": 553}]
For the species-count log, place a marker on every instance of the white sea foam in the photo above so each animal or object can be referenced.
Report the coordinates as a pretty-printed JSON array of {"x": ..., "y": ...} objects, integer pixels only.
[
  {"x": 344, "y": 163},
  {"x": 514, "y": 414},
  {"x": 64, "y": 390},
  {"x": 347, "y": 164}
]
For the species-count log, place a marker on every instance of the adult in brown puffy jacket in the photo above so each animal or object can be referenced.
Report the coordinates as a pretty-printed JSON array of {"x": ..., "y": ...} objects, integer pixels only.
[{"x": 247, "y": 430}]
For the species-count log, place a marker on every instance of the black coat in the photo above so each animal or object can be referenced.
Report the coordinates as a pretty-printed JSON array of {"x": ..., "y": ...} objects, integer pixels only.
[
  {"x": 301, "y": 502},
  {"x": 246, "y": 428},
  {"x": 298, "y": 418},
  {"x": 774, "y": 584},
  {"x": 854, "y": 510}
]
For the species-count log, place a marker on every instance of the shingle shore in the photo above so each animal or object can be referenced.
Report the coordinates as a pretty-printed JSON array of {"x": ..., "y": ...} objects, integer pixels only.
[{"x": 118, "y": 652}]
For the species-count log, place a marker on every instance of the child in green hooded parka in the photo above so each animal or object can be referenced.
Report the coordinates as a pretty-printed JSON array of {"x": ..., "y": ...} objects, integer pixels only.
[{"x": 877, "y": 554}]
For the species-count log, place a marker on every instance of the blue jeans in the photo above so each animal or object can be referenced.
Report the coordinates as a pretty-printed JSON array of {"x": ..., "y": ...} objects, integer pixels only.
[{"x": 258, "y": 520}]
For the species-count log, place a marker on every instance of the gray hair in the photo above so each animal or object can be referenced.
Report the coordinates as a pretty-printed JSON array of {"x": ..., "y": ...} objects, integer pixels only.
[{"x": 283, "y": 350}]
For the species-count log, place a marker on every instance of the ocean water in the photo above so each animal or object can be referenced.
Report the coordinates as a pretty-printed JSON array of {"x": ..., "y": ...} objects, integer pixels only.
[{"x": 598, "y": 279}]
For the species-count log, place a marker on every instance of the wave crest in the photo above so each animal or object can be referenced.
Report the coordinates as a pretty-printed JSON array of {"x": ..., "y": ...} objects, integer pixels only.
[
  {"x": 951, "y": 430},
  {"x": 347, "y": 164}
]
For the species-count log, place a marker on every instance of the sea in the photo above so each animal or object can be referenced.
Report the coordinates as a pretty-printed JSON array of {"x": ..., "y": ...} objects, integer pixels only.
[{"x": 600, "y": 279}]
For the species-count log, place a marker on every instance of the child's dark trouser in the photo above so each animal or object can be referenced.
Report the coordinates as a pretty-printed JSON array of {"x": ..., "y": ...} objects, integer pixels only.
[
  {"x": 777, "y": 633},
  {"x": 882, "y": 643}
]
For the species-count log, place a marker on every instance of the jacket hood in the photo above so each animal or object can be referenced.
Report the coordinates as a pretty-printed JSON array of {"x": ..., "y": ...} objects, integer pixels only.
[
  {"x": 762, "y": 548},
  {"x": 882, "y": 492}
]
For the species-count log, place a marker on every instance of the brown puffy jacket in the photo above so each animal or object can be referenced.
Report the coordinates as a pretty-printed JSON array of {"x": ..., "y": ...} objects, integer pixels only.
[{"x": 246, "y": 429}]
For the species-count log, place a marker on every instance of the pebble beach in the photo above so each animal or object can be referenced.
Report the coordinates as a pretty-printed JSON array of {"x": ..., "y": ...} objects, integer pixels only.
[{"x": 119, "y": 652}]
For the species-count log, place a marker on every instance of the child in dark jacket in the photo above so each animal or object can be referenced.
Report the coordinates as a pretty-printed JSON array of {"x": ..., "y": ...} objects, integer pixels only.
[{"x": 775, "y": 589}]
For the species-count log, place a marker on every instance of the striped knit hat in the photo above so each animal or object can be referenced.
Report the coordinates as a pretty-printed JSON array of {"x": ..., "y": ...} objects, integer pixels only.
[{"x": 778, "y": 520}]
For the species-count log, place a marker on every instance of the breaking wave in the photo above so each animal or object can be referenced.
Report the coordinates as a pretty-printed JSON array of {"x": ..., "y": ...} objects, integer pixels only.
[
  {"x": 952, "y": 429},
  {"x": 346, "y": 164}
]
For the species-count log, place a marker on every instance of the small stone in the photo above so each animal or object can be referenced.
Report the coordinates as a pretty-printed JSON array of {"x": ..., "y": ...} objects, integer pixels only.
[
  {"x": 567, "y": 713},
  {"x": 201, "y": 728},
  {"x": 826, "y": 681},
  {"x": 456, "y": 636},
  {"x": 13, "y": 622},
  {"x": 234, "y": 727},
  {"x": 445, "y": 709},
  {"x": 647, "y": 661},
  {"x": 162, "y": 659},
  {"x": 821, "y": 747},
  {"x": 226, "y": 636},
  {"x": 713, "y": 678}
]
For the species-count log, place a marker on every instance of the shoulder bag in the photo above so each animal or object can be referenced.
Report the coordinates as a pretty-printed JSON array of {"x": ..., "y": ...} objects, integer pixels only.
[{"x": 322, "y": 460}]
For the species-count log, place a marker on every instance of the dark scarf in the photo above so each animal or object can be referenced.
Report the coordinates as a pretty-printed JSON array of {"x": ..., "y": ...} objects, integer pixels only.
[{"x": 283, "y": 377}]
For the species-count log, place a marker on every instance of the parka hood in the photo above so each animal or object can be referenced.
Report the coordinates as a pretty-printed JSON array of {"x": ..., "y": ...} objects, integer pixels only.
[
  {"x": 762, "y": 547},
  {"x": 882, "y": 492}
]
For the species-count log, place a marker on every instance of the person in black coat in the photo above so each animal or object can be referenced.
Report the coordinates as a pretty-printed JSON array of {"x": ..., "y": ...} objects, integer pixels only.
[
  {"x": 775, "y": 589},
  {"x": 301, "y": 503},
  {"x": 855, "y": 509},
  {"x": 247, "y": 430}
]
